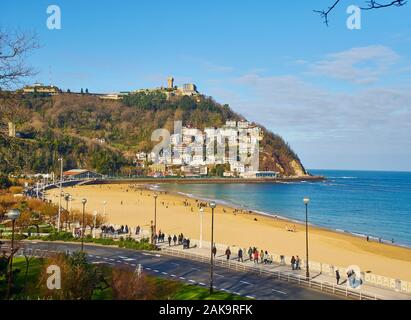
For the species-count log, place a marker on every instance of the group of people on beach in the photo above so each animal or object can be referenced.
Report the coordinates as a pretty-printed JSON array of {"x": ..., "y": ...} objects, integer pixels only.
[
  {"x": 111, "y": 230},
  {"x": 295, "y": 263},
  {"x": 253, "y": 254}
]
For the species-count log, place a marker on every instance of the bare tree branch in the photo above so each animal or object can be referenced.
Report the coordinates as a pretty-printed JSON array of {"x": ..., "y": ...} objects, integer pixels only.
[
  {"x": 14, "y": 48},
  {"x": 324, "y": 13},
  {"x": 372, "y": 4}
]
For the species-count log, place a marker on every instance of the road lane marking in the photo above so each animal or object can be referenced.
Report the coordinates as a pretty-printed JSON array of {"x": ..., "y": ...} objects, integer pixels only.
[
  {"x": 219, "y": 275},
  {"x": 182, "y": 278},
  {"x": 164, "y": 272},
  {"x": 250, "y": 297},
  {"x": 155, "y": 270},
  {"x": 192, "y": 281},
  {"x": 201, "y": 283},
  {"x": 118, "y": 261},
  {"x": 173, "y": 275},
  {"x": 245, "y": 282},
  {"x": 278, "y": 291},
  {"x": 147, "y": 268}
]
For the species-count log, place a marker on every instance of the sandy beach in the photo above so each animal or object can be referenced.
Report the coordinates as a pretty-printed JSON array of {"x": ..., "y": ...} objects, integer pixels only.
[{"x": 132, "y": 206}]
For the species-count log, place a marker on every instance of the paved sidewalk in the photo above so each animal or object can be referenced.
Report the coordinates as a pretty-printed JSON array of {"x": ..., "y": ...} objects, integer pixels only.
[{"x": 365, "y": 289}]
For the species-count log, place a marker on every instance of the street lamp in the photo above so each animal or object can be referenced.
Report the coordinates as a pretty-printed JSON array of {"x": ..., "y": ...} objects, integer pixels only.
[
  {"x": 201, "y": 226},
  {"x": 84, "y": 201},
  {"x": 13, "y": 214},
  {"x": 306, "y": 201},
  {"x": 61, "y": 191},
  {"x": 67, "y": 197},
  {"x": 212, "y": 206},
  {"x": 155, "y": 217},
  {"x": 104, "y": 208}
]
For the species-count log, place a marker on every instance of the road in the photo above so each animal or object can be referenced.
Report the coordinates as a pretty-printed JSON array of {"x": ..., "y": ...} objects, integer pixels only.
[{"x": 191, "y": 272}]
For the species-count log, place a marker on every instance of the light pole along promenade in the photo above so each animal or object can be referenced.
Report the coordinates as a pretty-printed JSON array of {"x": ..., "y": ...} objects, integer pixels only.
[
  {"x": 307, "y": 268},
  {"x": 212, "y": 206}
]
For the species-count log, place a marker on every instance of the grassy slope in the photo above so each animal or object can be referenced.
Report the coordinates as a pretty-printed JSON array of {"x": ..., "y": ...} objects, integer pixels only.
[{"x": 181, "y": 291}]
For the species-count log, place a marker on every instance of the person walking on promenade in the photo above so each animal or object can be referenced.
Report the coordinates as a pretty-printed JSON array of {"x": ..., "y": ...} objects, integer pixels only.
[
  {"x": 214, "y": 251},
  {"x": 262, "y": 256},
  {"x": 169, "y": 240},
  {"x": 337, "y": 276},
  {"x": 240, "y": 255},
  {"x": 265, "y": 257},
  {"x": 250, "y": 253},
  {"x": 228, "y": 253},
  {"x": 256, "y": 256},
  {"x": 297, "y": 263},
  {"x": 138, "y": 230},
  {"x": 293, "y": 263},
  {"x": 175, "y": 239}
]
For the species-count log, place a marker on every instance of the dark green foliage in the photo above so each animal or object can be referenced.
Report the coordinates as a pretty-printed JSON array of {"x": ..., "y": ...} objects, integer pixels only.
[{"x": 71, "y": 125}]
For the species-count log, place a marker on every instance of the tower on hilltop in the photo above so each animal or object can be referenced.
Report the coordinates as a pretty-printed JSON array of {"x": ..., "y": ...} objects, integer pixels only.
[{"x": 170, "y": 82}]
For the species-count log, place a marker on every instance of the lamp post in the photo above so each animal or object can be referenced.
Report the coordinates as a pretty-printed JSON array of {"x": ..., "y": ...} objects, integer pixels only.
[
  {"x": 13, "y": 214},
  {"x": 84, "y": 201},
  {"x": 306, "y": 201},
  {"x": 212, "y": 206},
  {"x": 61, "y": 187},
  {"x": 155, "y": 217},
  {"x": 201, "y": 226},
  {"x": 67, "y": 197}
]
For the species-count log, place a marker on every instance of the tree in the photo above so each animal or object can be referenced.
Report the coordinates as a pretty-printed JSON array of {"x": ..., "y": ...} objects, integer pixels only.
[
  {"x": 14, "y": 48},
  {"x": 78, "y": 278},
  {"x": 82, "y": 91},
  {"x": 369, "y": 5},
  {"x": 86, "y": 90}
]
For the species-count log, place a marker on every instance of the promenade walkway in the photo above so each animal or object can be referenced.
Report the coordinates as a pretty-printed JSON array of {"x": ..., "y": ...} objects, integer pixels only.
[{"x": 284, "y": 272}]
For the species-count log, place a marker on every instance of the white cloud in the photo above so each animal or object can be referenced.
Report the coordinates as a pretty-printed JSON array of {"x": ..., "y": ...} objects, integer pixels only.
[{"x": 357, "y": 65}]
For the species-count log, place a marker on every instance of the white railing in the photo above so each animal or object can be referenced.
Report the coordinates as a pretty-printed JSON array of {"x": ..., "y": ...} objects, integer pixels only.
[{"x": 280, "y": 275}]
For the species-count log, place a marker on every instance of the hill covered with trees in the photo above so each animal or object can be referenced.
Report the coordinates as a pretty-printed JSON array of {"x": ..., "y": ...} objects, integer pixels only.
[{"x": 104, "y": 135}]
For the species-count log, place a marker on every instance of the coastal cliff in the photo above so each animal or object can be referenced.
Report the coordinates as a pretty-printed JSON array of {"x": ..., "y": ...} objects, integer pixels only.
[{"x": 105, "y": 135}]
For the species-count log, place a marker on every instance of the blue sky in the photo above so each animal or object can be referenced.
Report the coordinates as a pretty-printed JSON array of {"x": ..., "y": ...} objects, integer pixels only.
[{"x": 340, "y": 97}]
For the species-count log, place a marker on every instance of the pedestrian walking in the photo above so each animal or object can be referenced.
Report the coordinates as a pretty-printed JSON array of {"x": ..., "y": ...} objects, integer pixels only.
[
  {"x": 262, "y": 256},
  {"x": 214, "y": 251},
  {"x": 250, "y": 253},
  {"x": 297, "y": 263},
  {"x": 293, "y": 263},
  {"x": 228, "y": 253},
  {"x": 337, "y": 276},
  {"x": 169, "y": 241},
  {"x": 240, "y": 255},
  {"x": 175, "y": 239}
]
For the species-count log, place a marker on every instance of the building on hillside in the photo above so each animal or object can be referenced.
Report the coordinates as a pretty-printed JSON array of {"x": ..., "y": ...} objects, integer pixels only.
[
  {"x": 77, "y": 174},
  {"x": 158, "y": 168},
  {"x": 12, "y": 130},
  {"x": 40, "y": 88},
  {"x": 259, "y": 175}
]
